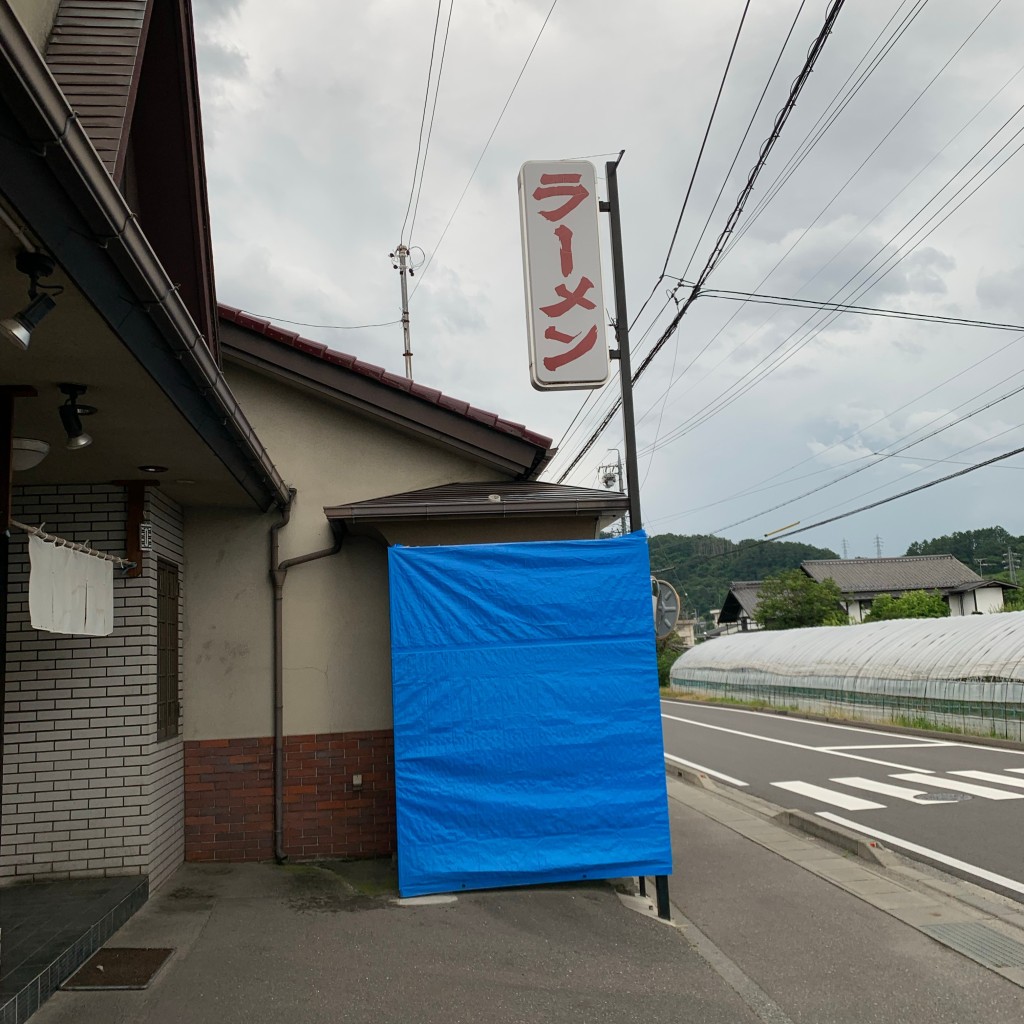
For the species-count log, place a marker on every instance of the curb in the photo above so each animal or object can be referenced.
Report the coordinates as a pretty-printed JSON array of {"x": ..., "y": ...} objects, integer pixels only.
[{"x": 846, "y": 840}]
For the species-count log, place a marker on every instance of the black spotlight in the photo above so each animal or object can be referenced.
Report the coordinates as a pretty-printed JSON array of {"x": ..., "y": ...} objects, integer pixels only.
[
  {"x": 18, "y": 329},
  {"x": 71, "y": 416}
]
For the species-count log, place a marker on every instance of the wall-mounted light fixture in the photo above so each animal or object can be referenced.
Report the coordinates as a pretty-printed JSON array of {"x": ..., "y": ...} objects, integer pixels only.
[
  {"x": 27, "y": 452},
  {"x": 71, "y": 413},
  {"x": 18, "y": 329}
]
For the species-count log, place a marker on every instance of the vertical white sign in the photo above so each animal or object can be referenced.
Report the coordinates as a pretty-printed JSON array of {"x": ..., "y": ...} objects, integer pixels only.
[{"x": 565, "y": 315}]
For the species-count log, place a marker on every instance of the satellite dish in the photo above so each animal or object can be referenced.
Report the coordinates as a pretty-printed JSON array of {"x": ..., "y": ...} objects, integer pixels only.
[{"x": 666, "y": 608}]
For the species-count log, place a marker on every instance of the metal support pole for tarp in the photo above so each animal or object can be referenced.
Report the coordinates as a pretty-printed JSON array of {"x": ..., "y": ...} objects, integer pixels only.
[{"x": 628, "y": 420}]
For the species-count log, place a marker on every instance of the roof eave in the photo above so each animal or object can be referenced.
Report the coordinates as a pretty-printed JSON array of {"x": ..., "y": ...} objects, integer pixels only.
[
  {"x": 490, "y": 445},
  {"x": 170, "y": 346}
]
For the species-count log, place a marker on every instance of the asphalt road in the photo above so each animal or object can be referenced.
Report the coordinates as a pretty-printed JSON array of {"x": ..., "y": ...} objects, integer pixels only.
[{"x": 959, "y": 806}]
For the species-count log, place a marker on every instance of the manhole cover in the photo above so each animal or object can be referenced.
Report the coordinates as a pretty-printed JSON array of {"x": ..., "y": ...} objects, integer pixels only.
[
  {"x": 945, "y": 796},
  {"x": 116, "y": 967}
]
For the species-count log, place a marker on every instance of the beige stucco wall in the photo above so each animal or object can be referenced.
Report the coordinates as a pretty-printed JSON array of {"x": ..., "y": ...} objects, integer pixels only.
[
  {"x": 36, "y": 17},
  {"x": 336, "y": 649}
]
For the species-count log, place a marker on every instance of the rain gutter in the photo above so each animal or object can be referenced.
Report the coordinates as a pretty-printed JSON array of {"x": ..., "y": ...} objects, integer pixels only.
[{"x": 278, "y": 574}]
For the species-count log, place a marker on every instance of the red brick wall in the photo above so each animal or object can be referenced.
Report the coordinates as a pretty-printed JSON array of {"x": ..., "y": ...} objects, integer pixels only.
[{"x": 229, "y": 797}]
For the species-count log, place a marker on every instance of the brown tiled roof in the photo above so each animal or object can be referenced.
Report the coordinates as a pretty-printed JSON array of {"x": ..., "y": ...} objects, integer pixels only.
[
  {"x": 892, "y": 575},
  {"x": 379, "y": 374},
  {"x": 485, "y": 500}
]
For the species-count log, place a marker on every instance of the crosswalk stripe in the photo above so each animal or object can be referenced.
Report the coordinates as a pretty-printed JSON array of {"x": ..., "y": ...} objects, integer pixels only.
[
  {"x": 888, "y": 789},
  {"x": 937, "y": 784},
  {"x": 829, "y": 796},
  {"x": 991, "y": 777},
  {"x": 1015, "y": 769}
]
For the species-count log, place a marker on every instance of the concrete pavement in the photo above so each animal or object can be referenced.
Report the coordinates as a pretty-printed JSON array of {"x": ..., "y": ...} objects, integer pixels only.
[{"x": 771, "y": 926}]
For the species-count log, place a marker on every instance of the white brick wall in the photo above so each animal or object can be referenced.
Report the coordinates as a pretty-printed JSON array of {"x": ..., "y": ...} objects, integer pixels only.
[{"x": 86, "y": 787}]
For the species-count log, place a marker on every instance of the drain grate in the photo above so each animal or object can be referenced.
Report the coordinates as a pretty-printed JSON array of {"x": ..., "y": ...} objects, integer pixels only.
[
  {"x": 944, "y": 796},
  {"x": 979, "y": 942}
]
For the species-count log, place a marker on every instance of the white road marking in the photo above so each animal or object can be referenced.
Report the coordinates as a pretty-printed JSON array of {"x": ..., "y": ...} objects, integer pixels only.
[
  {"x": 792, "y": 743},
  {"x": 960, "y": 787},
  {"x": 939, "y": 858},
  {"x": 711, "y": 771},
  {"x": 991, "y": 777},
  {"x": 849, "y": 728},
  {"x": 892, "y": 746},
  {"x": 1015, "y": 769},
  {"x": 829, "y": 796},
  {"x": 888, "y": 789}
]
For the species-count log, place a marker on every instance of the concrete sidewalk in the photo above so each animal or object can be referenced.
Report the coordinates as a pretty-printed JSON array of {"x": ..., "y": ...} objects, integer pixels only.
[{"x": 758, "y": 936}]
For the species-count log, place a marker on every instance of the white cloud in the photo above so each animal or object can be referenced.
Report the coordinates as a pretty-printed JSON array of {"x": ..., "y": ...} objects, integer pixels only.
[{"x": 311, "y": 116}]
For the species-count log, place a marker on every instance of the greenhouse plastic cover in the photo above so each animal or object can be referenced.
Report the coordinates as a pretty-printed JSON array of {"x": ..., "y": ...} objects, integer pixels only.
[
  {"x": 984, "y": 653},
  {"x": 528, "y": 741}
]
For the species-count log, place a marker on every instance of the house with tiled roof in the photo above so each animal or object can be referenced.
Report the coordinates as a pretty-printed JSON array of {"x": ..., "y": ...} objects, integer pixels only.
[
  {"x": 238, "y": 483},
  {"x": 861, "y": 580}
]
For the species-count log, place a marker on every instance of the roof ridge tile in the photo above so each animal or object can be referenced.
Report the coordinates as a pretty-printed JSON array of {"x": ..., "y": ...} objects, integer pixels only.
[{"x": 385, "y": 377}]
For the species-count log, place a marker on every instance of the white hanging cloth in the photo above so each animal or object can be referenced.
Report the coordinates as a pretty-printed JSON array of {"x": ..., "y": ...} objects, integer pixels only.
[{"x": 69, "y": 592}]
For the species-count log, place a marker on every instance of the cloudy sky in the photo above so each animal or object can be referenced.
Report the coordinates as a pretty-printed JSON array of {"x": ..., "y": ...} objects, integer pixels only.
[{"x": 906, "y": 198}]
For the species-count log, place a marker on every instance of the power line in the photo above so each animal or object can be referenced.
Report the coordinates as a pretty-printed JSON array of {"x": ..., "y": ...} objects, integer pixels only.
[
  {"x": 845, "y": 246},
  {"x": 323, "y": 327},
  {"x": 814, "y": 136},
  {"x": 743, "y": 141},
  {"x": 479, "y": 160},
  {"x": 739, "y": 388},
  {"x": 883, "y": 455},
  {"x": 904, "y": 494},
  {"x": 846, "y": 307},
  {"x": 704, "y": 141},
  {"x": 839, "y": 192},
  {"x": 423, "y": 121},
  {"x": 430, "y": 126},
  {"x": 757, "y": 488},
  {"x": 766, "y": 149}
]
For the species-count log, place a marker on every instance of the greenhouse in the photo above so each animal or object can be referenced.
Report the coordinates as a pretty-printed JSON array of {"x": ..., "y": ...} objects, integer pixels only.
[{"x": 963, "y": 673}]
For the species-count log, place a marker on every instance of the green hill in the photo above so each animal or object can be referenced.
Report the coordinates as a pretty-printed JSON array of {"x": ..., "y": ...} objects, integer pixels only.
[
  {"x": 985, "y": 550},
  {"x": 703, "y": 567}
]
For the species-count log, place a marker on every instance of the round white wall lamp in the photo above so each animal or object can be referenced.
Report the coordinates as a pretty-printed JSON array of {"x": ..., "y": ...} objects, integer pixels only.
[{"x": 27, "y": 452}]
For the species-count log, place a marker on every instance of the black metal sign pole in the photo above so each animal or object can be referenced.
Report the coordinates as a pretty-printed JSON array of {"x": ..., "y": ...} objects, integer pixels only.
[{"x": 611, "y": 207}]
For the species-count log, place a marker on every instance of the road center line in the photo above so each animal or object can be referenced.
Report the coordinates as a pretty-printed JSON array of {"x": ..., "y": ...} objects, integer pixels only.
[
  {"x": 712, "y": 772},
  {"x": 939, "y": 858},
  {"x": 888, "y": 746},
  {"x": 799, "y": 746},
  {"x": 924, "y": 740}
]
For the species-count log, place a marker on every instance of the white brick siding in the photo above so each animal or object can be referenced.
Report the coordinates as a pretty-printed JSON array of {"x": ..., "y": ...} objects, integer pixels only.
[{"x": 86, "y": 788}]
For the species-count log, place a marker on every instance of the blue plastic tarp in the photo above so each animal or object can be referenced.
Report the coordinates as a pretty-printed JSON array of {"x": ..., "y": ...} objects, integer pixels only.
[{"x": 528, "y": 741}]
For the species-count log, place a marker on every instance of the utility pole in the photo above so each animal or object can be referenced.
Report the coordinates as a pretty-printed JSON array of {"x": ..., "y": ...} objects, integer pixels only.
[
  {"x": 403, "y": 267},
  {"x": 611, "y": 207},
  {"x": 610, "y": 475},
  {"x": 1011, "y": 563},
  {"x": 982, "y": 562}
]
